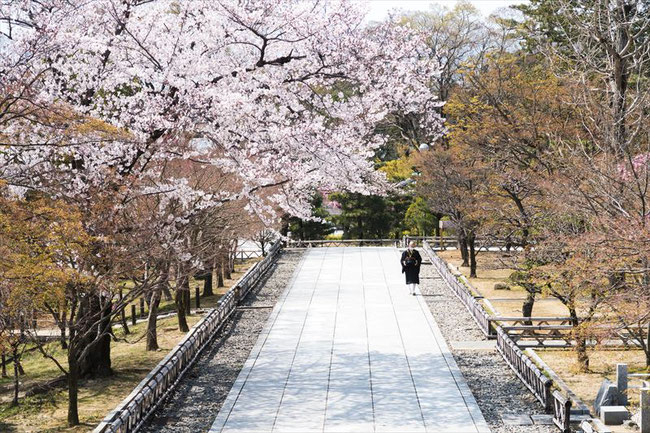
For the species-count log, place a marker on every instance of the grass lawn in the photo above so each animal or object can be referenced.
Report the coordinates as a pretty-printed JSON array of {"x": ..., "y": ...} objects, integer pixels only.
[
  {"x": 130, "y": 363},
  {"x": 602, "y": 364},
  {"x": 493, "y": 267}
]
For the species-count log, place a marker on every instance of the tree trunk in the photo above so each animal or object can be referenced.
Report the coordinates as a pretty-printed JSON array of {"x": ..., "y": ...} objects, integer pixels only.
[
  {"x": 14, "y": 402},
  {"x": 125, "y": 327},
  {"x": 207, "y": 284},
  {"x": 581, "y": 343},
  {"x": 647, "y": 345},
  {"x": 4, "y": 365},
  {"x": 97, "y": 363},
  {"x": 462, "y": 245},
  {"x": 62, "y": 328},
  {"x": 437, "y": 229},
  {"x": 508, "y": 244},
  {"x": 188, "y": 298},
  {"x": 219, "y": 270},
  {"x": 152, "y": 320},
  {"x": 527, "y": 307},
  {"x": 226, "y": 269},
  {"x": 73, "y": 389},
  {"x": 472, "y": 254},
  {"x": 167, "y": 294},
  {"x": 182, "y": 286}
]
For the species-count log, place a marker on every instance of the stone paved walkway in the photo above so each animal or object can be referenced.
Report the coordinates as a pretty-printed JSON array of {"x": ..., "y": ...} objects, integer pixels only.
[{"x": 347, "y": 349}]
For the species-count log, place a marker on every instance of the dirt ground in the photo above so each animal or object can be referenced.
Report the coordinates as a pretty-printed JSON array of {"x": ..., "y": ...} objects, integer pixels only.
[
  {"x": 495, "y": 267},
  {"x": 602, "y": 364}
]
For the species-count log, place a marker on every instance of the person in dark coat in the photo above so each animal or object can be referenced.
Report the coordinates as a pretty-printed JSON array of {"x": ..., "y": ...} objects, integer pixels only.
[{"x": 411, "y": 261}]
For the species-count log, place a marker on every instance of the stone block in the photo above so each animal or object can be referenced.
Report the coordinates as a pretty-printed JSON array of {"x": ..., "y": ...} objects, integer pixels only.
[
  {"x": 621, "y": 383},
  {"x": 607, "y": 395},
  {"x": 542, "y": 419},
  {"x": 594, "y": 425},
  {"x": 515, "y": 419},
  {"x": 644, "y": 406},
  {"x": 614, "y": 415},
  {"x": 501, "y": 286}
]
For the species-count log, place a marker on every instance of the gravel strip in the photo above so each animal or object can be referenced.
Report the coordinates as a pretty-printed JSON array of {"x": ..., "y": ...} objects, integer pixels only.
[
  {"x": 495, "y": 386},
  {"x": 196, "y": 401}
]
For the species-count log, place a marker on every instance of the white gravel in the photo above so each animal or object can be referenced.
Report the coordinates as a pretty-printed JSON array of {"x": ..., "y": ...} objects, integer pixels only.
[
  {"x": 495, "y": 386},
  {"x": 196, "y": 401}
]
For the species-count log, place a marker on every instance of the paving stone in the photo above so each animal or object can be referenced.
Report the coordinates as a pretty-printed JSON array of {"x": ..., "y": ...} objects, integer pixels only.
[
  {"x": 474, "y": 345},
  {"x": 515, "y": 419},
  {"x": 542, "y": 419},
  {"x": 347, "y": 349}
]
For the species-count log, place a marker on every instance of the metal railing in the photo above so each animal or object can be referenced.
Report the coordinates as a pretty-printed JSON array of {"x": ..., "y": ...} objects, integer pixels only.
[
  {"x": 481, "y": 317},
  {"x": 134, "y": 410}
]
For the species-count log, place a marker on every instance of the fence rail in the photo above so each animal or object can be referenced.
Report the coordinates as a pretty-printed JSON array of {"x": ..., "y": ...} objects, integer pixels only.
[
  {"x": 451, "y": 242},
  {"x": 525, "y": 368},
  {"x": 247, "y": 254},
  {"x": 133, "y": 411},
  {"x": 344, "y": 243},
  {"x": 562, "y": 412},
  {"x": 463, "y": 293}
]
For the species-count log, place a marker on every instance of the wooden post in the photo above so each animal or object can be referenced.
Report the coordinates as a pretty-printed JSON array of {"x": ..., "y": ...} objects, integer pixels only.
[
  {"x": 198, "y": 297},
  {"x": 133, "y": 315}
]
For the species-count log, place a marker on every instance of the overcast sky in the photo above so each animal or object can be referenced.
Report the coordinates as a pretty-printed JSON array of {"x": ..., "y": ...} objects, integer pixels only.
[{"x": 379, "y": 8}]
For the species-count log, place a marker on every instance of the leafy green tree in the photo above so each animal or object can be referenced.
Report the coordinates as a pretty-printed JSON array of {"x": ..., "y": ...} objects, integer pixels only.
[
  {"x": 312, "y": 229},
  {"x": 419, "y": 219},
  {"x": 369, "y": 217}
]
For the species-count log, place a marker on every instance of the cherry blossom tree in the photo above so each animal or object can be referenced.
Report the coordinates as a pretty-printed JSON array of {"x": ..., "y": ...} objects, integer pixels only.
[{"x": 98, "y": 99}]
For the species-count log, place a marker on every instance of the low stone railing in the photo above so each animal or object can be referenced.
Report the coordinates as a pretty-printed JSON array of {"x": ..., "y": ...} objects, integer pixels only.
[
  {"x": 525, "y": 369},
  {"x": 344, "y": 243},
  {"x": 481, "y": 317},
  {"x": 133, "y": 411}
]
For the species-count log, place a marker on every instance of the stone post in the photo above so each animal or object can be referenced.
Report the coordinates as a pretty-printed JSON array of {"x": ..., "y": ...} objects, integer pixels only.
[
  {"x": 644, "y": 404},
  {"x": 621, "y": 383}
]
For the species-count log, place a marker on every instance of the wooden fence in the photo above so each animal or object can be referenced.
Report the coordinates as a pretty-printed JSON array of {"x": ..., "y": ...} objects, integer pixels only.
[
  {"x": 538, "y": 331},
  {"x": 133, "y": 411}
]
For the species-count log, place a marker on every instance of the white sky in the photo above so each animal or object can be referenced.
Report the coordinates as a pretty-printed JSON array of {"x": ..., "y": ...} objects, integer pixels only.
[{"x": 379, "y": 8}]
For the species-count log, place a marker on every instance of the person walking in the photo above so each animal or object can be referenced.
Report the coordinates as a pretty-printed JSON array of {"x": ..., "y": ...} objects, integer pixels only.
[{"x": 411, "y": 261}]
